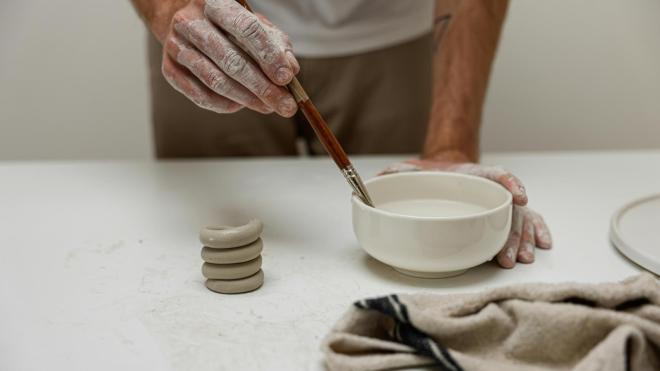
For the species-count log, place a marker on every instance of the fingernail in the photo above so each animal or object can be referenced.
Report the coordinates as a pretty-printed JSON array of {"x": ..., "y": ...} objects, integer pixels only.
[
  {"x": 287, "y": 106},
  {"x": 294, "y": 62},
  {"x": 505, "y": 262},
  {"x": 284, "y": 75},
  {"x": 529, "y": 247},
  {"x": 506, "y": 258},
  {"x": 510, "y": 254},
  {"x": 547, "y": 239},
  {"x": 526, "y": 257}
]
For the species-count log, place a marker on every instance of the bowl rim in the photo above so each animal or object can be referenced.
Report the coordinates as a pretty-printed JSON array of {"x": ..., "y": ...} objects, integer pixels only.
[{"x": 507, "y": 203}]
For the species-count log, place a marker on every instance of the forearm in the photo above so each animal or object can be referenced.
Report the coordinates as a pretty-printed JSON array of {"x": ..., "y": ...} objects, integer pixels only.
[
  {"x": 157, "y": 14},
  {"x": 466, "y": 33}
]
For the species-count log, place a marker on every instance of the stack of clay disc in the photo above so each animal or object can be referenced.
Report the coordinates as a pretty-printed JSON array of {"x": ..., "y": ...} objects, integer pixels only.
[{"x": 232, "y": 257}]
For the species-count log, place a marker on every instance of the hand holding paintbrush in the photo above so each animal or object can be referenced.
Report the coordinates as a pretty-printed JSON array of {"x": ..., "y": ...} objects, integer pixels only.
[
  {"x": 325, "y": 135},
  {"x": 206, "y": 56}
]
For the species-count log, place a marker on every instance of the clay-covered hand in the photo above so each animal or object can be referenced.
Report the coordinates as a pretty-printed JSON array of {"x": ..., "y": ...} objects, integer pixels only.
[
  {"x": 204, "y": 58},
  {"x": 528, "y": 230}
]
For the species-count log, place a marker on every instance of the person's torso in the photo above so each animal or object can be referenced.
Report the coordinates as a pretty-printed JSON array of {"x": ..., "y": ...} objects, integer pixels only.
[{"x": 325, "y": 28}]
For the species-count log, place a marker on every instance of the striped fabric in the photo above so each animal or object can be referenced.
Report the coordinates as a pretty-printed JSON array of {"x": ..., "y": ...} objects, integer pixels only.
[{"x": 406, "y": 333}]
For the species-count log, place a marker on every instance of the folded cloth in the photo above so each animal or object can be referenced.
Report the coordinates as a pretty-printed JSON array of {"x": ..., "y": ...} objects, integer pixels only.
[{"x": 568, "y": 326}]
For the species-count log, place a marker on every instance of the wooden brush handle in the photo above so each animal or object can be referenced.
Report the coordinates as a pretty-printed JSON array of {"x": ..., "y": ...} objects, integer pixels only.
[
  {"x": 316, "y": 121},
  {"x": 245, "y": 5}
]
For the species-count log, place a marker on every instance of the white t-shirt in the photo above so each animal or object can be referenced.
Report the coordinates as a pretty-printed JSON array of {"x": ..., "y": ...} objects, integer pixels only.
[{"x": 326, "y": 28}]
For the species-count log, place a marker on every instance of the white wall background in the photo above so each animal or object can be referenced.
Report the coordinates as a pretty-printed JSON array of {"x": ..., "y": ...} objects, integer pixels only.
[
  {"x": 569, "y": 75},
  {"x": 73, "y": 80},
  {"x": 576, "y": 75}
]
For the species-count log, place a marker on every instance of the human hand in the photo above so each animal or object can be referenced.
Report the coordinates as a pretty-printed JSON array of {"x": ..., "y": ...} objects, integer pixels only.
[
  {"x": 528, "y": 230},
  {"x": 203, "y": 58}
]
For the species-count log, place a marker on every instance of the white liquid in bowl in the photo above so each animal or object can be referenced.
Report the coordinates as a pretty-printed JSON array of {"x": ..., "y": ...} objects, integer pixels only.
[{"x": 431, "y": 208}]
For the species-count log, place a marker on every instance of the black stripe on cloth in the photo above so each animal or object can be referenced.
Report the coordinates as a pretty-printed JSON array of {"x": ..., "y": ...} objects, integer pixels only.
[
  {"x": 404, "y": 309},
  {"x": 406, "y": 333},
  {"x": 632, "y": 304}
]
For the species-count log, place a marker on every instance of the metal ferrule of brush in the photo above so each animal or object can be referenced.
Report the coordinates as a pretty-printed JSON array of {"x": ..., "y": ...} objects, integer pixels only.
[{"x": 355, "y": 181}]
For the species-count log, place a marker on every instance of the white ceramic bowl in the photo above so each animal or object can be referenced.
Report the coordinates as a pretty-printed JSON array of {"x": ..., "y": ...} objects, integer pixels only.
[{"x": 475, "y": 222}]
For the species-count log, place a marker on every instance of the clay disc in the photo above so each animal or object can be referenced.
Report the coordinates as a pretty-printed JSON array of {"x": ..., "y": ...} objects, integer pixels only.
[
  {"x": 236, "y": 286},
  {"x": 634, "y": 230},
  {"x": 224, "y": 237},
  {"x": 231, "y": 271},
  {"x": 231, "y": 256}
]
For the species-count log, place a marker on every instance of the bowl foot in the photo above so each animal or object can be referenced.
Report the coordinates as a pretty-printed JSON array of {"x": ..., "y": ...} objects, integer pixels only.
[{"x": 430, "y": 274}]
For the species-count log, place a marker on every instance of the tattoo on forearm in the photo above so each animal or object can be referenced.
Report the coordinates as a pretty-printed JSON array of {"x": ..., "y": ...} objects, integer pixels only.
[{"x": 439, "y": 27}]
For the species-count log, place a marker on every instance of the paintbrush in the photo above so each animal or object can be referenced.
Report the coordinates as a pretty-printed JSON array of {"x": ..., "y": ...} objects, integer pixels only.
[{"x": 325, "y": 135}]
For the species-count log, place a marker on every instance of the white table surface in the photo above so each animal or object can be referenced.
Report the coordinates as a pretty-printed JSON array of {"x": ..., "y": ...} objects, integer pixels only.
[{"x": 100, "y": 265}]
